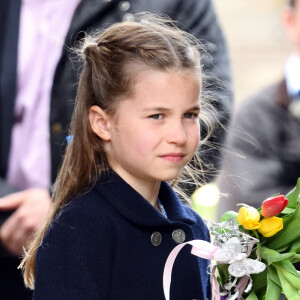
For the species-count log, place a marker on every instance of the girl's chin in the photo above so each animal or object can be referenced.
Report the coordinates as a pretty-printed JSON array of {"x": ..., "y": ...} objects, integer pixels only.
[{"x": 169, "y": 177}]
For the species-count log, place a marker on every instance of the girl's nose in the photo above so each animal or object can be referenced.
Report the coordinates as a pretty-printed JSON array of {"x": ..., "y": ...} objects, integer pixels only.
[{"x": 176, "y": 133}]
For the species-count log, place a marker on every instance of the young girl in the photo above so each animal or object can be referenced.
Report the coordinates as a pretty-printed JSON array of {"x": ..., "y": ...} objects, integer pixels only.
[{"x": 135, "y": 127}]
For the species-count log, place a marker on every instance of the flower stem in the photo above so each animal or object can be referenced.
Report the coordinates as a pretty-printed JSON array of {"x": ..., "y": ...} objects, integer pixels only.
[{"x": 258, "y": 244}]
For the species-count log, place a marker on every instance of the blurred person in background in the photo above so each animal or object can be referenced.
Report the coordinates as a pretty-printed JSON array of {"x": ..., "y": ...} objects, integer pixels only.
[
  {"x": 262, "y": 150},
  {"x": 37, "y": 92}
]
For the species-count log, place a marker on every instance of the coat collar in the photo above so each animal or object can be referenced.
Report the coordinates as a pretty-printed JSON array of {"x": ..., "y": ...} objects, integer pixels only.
[{"x": 131, "y": 205}]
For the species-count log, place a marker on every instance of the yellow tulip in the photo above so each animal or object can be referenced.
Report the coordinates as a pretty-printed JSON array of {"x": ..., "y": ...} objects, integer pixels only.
[
  {"x": 249, "y": 217},
  {"x": 270, "y": 226}
]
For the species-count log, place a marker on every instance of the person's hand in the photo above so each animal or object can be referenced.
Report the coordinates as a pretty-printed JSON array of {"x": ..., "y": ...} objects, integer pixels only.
[{"x": 31, "y": 206}]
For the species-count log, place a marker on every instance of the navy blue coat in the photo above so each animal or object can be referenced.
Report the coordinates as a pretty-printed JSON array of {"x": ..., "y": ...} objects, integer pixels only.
[{"x": 99, "y": 247}]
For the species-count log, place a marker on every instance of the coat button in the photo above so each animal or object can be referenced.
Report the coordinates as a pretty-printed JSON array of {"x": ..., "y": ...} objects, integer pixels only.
[
  {"x": 124, "y": 5},
  {"x": 56, "y": 128},
  {"x": 178, "y": 235},
  {"x": 156, "y": 238}
]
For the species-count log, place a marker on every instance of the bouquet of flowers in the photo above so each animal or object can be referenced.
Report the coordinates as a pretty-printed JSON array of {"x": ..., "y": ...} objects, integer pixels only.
[{"x": 254, "y": 251}]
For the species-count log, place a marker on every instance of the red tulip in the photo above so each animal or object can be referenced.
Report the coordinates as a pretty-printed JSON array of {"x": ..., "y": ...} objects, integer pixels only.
[{"x": 273, "y": 206}]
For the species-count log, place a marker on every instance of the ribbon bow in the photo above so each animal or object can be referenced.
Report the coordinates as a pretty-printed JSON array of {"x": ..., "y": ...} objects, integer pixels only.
[
  {"x": 200, "y": 248},
  {"x": 230, "y": 252}
]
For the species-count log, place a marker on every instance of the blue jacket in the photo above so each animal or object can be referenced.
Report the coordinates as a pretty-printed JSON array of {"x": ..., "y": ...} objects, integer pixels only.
[{"x": 99, "y": 247}]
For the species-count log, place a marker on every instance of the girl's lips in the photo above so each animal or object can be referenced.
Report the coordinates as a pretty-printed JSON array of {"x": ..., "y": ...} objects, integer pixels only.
[{"x": 172, "y": 157}]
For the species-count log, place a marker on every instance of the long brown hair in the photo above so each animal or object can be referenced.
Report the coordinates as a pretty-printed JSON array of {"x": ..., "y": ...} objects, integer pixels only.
[{"x": 106, "y": 77}]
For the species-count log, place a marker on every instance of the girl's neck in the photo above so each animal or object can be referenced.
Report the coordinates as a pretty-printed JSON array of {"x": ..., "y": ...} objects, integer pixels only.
[{"x": 148, "y": 189}]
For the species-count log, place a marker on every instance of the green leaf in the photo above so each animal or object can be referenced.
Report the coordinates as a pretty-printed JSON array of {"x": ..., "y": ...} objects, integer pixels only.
[
  {"x": 288, "y": 270},
  {"x": 289, "y": 290},
  {"x": 272, "y": 256},
  {"x": 295, "y": 259},
  {"x": 230, "y": 215},
  {"x": 223, "y": 272},
  {"x": 286, "y": 265},
  {"x": 252, "y": 296},
  {"x": 280, "y": 250},
  {"x": 259, "y": 281},
  {"x": 293, "y": 279},
  {"x": 272, "y": 273},
  {"x": 288, "y": 234},
  {"x": 243, "y": 205},
  {"x": 293, "y": 195},
  {"x": 295, "y": 246},
  {"x": 275, "y": 195},
  {"x": 273, "y": 286},
  {"x": 288, "y": 210}
]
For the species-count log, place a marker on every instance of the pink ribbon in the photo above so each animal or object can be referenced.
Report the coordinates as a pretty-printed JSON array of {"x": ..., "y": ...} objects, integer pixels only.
[{"x": 200, "y": 248}]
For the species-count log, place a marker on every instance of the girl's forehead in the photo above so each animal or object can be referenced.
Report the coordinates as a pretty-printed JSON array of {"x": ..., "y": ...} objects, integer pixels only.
[
  {"x": 136, "y": 69},
  {"x": 164, "y": 78},
  {"x": 155, "y": 88}
]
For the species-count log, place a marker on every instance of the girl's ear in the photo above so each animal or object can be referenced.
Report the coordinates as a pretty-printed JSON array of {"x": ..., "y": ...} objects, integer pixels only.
[{"x": 99, "y": 122}]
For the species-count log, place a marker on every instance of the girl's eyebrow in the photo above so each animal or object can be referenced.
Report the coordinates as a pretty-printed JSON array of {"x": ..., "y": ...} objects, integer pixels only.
[
  {"x": 165, "y": 109},
  {"x": 196, "y": 107},
  {"x": 157, "y": 108}
]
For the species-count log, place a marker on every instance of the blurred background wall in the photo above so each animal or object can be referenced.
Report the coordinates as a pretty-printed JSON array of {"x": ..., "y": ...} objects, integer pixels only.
[{"x": 257, "y": 44}]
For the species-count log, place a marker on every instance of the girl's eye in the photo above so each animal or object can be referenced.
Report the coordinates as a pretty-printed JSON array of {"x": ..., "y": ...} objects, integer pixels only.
[
  {"x": 190, "y": 115},
  {"x": 156, "y": 117}
]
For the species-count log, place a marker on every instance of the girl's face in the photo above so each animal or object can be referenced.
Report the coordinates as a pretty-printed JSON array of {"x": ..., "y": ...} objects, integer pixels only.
[{"x": 155, "y": 132}]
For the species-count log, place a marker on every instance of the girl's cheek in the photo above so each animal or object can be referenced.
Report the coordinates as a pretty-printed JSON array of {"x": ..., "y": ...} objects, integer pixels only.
[
  {"x": 194, "y": 140},
  {"x": 196, "y": 134}
]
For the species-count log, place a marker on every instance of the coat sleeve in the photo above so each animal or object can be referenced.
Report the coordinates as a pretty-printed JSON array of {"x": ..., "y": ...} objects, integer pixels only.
[{"x": 71, "y": 263}]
